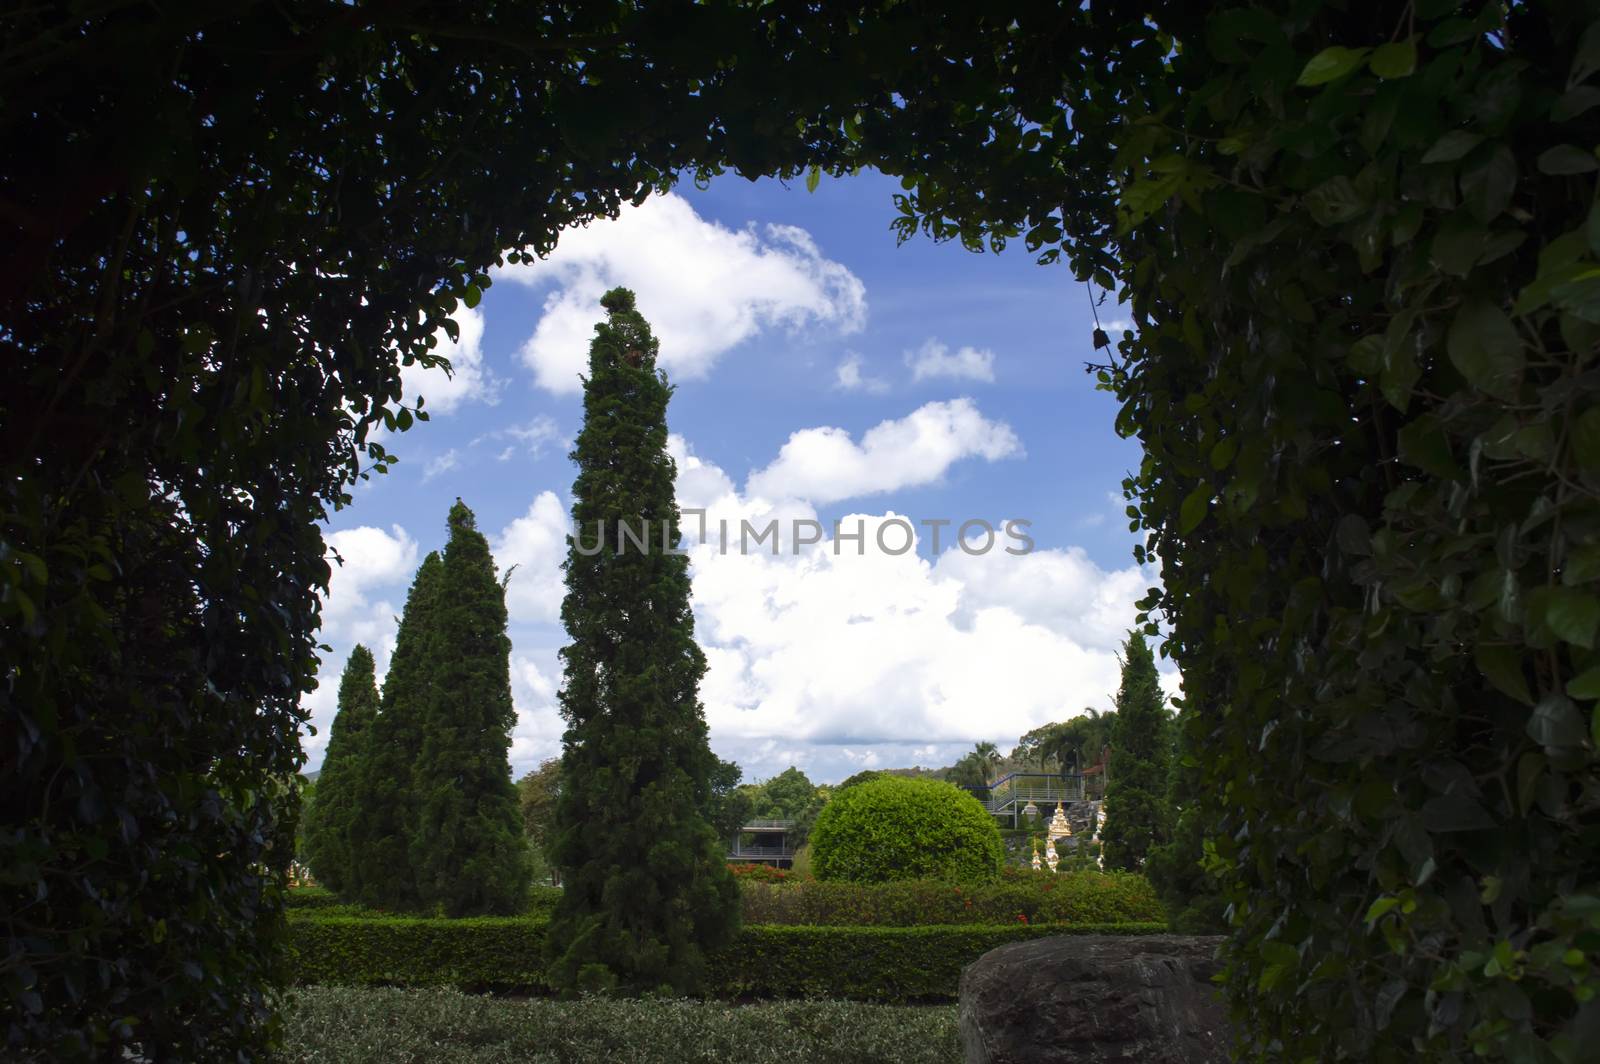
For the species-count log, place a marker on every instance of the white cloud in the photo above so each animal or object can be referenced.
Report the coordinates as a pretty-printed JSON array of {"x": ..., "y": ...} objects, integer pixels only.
[
  {"x": 703, "y": 287},
  {"x": 537, "y": 733},
  {"x": 934, "y": 359},
  {"x": 441, "y": 464},
  {"x": 824, "y": 465},
  {"x": 847, "y": 376},
  {"x": 536, "y": 543},
  {"x": 844, "y": 654},
  {"x": 468, "y": 379},
  {"x": 533, "y": 438},
  {"x": 358, "y": 607}
]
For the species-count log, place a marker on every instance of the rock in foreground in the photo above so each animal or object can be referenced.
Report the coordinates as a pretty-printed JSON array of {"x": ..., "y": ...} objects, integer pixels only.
[{"x": 1092, "y": 998}]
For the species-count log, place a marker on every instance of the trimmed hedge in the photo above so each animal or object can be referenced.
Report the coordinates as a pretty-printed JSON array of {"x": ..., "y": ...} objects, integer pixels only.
[
  {"x": 505, "y": 953},
  {"x": 893, "y": 828},
  {"x": 1037, "y": 897},
  {"x": 323, "y": 902}
]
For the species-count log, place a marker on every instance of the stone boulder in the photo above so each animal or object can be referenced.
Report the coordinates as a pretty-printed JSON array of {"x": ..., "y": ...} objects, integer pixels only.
[{"x": 1092, "y": 998}]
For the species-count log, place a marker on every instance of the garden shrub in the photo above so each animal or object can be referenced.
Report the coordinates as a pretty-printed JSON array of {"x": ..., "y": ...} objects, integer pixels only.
[
  {"x": 505, "y": 953},
  {"x": 893, "y": 828},
  {"x": 1038, "y": 897}
]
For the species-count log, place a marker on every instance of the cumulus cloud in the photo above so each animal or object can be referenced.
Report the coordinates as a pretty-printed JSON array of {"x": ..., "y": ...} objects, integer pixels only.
[
  {"x": 536, "y": 543},
  {"x": 467, "y": 380},
  {"x": 847, "y": 376},
  {"x": 845, "y": 655},
  {"x": 934, "y": 359},
  {"x": 823, "y": 465},
  {"x": 705, "y": 288}
]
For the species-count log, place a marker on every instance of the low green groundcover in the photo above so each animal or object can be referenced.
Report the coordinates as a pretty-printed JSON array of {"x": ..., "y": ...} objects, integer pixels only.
[
  {"x": 891, "y": 964},
  {"x": 381, "y": 1025}
]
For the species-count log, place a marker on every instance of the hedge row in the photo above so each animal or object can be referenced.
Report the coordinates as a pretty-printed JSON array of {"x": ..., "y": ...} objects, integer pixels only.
[
  {"x": 1067, "y": 897},
  {"x": 323, "y": 902},
  {"x": 505, "y": 953}
]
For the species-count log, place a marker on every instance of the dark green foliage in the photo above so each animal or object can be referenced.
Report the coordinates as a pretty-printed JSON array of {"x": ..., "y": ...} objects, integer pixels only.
[
  {"x": 1137, "y": 815},
  {"x": 731, "y": 805},
  {"x": 1192, "y": 898},
  {"x": 330, "y": 816},
  {"x": 1069, "y": 746},
  {"x": 860, "y": 777},
  {"x": 790, "y": 795},
  {"x": 536, "y": 799},
  {"x": 383, "y": 1025},
  {"x": 1035, "y": 897},
  {"x": 898, "y": 828},
  {"x": 468, "y": 855},
  {"x": 384, "y": 799},
  {"x": 1357, "y": 244},
  {"x": 647, "y": 892},
  {"x": 504, "y": 953}
]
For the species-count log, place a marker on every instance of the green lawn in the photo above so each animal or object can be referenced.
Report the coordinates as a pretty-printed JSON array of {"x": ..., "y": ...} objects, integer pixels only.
[{"x": 348, "y": 1025}]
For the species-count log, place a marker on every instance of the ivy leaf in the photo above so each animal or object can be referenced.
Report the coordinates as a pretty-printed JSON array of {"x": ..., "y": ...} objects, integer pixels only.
[
  {"x": 1586, "y": 684},
  {"x": 1502, "y": 666},
  {"x": 1487, "y": 186},
  {"x": 1330, "y": 64},
  {"x": 1573, "y": 615},
  {"x": 1452, "y": 146},
  {"x": 1335, "y": 200},
  {"x": 1485, "y": 347},
  {"x": 1397, "y": 59},
  {"x": 1194, "y": 509},
  {"x": 1556, "y": 722},
  {"x": 1565, "y": 159}
]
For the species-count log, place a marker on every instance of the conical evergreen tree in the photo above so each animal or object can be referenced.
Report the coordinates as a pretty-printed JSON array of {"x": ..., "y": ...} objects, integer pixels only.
[
  {"x": 328, "y": 820},
  {"x": 1136, "y": 807},
  {"x": 468, "y": 854},
  {"x": 647, "y": 891},
  {"x": 1193, "y": 900},
  {"x": 384, "y": 820}
]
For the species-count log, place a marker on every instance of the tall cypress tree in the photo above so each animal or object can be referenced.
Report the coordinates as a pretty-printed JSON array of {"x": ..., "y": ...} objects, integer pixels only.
[
  {"x": 385, "y": 804},
  {"x": 1136, "y": 794},
  {"x": 468, "y": 854},
  {"x": 328, "y": 820},
  {"x": 647, "y": 891}
]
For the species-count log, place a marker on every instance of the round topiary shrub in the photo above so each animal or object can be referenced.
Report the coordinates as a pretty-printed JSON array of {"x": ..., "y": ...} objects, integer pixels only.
[{"x": 893, "y": 827}]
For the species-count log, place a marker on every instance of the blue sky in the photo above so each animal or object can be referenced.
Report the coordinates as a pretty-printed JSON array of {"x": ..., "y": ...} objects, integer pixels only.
[{"x": 825, "y": 373}]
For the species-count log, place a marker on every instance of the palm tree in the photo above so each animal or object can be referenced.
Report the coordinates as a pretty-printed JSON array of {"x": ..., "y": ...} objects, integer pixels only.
[{"x": 988, "y": 756}]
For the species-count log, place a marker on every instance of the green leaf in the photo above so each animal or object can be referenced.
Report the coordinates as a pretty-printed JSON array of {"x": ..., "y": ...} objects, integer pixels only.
[
  {"x": 1330, "y": 64},
  {"x": 472, "y": 295},
  {"x": 1586, "y": 684},
  {"x": 1530, "y": 766},
  {"x": 1573, "y": 615},
  {"x": 1397, "y": 59},
  {"x": 1502, "y": 666},
  {"x": 1587, "y": 58},
  {"x": 1586, "y": 438},
  {"x": 1575, "y": 103},
  {"x": 1335, "y": 200},
  {"x": 1194, "y": 509},
  {"x": 1485, "y": 347},
  {"x": 813, "y": 178},
  {"x": 1423, "y": 444},
  {"x": 1452, "y": 146},
  {"x": 1487, "y": 186},
  {"x": 1556, "y": 722},
  {"x": 1222, "y": 454},
  {"x": 1565, "y": 159},
  {"x": 1378, "y": 908}
]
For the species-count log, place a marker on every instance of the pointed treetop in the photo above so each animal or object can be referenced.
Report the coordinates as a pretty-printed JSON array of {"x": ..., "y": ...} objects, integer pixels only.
[
  {"x": 461, "y": 516},
  {"x": 618, "y": 300}
]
